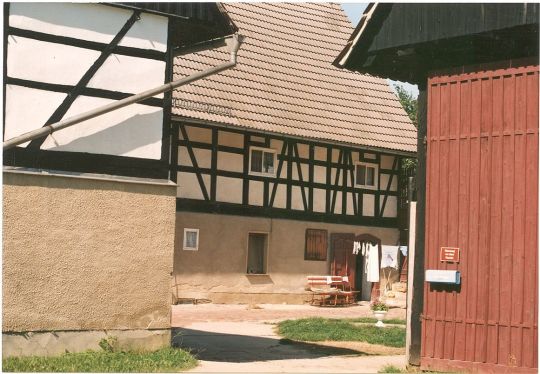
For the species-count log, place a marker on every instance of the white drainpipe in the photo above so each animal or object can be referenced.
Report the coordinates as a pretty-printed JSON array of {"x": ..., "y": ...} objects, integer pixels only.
[{"x": 49, "y": 129}]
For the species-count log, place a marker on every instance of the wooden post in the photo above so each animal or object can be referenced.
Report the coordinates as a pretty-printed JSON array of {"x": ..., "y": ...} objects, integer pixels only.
[
  {"x": 417, "y": 285},
  {"x": 410, "y": 276}
]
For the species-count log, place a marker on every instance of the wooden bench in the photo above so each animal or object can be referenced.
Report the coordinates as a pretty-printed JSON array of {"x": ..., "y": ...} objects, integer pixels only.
[{"x": 330, "y": 290}]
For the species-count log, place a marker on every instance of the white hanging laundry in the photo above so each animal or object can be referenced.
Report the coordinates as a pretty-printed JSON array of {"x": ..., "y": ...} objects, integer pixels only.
[
  {"x": 356, "y": 248},
  {"x": 364, "y": 247},
  {"x": 389, "y": 256},
  {"x": 403, "y": 249},
  {"x": 372, "y": 263}
]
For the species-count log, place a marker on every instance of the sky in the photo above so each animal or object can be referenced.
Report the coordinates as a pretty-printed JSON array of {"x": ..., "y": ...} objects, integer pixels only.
[{"x": 354, "y": 12}]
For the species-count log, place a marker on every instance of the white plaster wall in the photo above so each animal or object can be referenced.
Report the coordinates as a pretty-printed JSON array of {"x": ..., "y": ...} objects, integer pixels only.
[
  {"x": 230, "y": 161},
  {"x": 296, "y": 195},
  {"x": 55, "y": 63},
  {"x": 197, "y": 134},
  {"x": 319, "y": 174},
  {"x": 386, "y": 162},
  {"x": 229, "y": 190},
  {"x": 320, "y": 153},
  {"x": 100, "y": 23},
  {"x": 319, "y": 200},
  {"x": 117, "y": 74},
  {"x": 384, "y": 182},
  {"x": 231, "y": 139},
  {"x": 18, "y": 118},
  {"x": 188, "y": 185},
  {"x": 280, "y": 200},
  {"x": 133, "y": 131},
  {"x": 256, "y": 193},
  {"x": 390, "y": 210},
  {"x": 368, "y": 207}
]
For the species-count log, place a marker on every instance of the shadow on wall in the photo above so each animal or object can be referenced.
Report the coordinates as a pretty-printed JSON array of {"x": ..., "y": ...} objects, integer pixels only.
[
  {"x": 135, "y": 132},
  {"x": 220, "y": 347}
]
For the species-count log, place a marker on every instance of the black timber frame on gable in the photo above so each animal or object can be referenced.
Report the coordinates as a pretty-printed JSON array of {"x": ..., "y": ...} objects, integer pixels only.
[
  {"x": 34, "y": 157},
  {"x": 288, "y": 153}
]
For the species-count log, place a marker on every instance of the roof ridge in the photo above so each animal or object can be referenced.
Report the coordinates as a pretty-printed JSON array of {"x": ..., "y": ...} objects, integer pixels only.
[
  {"x": 337, "y": 47},
  {"x": 339, "y": 33},
  {"x": 276, "y": 8}
]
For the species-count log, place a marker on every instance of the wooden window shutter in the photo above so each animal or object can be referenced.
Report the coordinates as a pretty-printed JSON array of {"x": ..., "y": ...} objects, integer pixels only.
[{"x": 316, "y": 245}]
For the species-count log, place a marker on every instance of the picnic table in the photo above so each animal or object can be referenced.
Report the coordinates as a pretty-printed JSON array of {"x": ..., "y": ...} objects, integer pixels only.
[{"x": 330, "y": 290}]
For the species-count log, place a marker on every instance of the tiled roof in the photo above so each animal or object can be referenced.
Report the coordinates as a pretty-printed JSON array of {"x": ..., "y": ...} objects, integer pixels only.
[{"x": 284, "y": 81}]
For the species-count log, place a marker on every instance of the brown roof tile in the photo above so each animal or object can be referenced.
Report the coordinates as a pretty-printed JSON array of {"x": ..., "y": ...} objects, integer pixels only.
[{"x": 284, "y": 81}]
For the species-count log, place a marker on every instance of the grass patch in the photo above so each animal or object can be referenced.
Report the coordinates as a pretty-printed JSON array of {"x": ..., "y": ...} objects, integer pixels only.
[
  {"x": 390, "y": 369},
  {"x": 320, "y": 329},
  {"x": 163, "y": 360},
  {"x": 393, "y": 321}
]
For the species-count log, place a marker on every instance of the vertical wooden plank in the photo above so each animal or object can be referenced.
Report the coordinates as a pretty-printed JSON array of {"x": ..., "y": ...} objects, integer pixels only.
[
  {"x": 453, "y": 214},
  {"x": 432, "y": 216},
  {"x": 507, "y": 211},
  {"x": 518, "y": 257},
  {"x": 483, "y": 268},
  {"x": 530, "y": 302},
  {"x": 463, "y": 201},
  {"x": 472, "y": 246},
  {"x": 496, "y": 220}
]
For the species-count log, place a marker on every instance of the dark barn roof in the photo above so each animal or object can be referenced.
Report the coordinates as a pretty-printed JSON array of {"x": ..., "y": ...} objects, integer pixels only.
[
  {"x": 191, "y": 22},
  {"x": 404, "y": 41}
]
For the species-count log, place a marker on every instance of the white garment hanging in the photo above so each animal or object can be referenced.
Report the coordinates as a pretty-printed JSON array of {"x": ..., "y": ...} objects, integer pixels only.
[
  {"x": 389, "y": 254},
  {"x": 372, "y": 263}
]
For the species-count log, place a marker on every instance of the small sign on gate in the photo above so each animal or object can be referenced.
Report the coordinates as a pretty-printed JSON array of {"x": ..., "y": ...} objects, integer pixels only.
[{"x": 449, "y": 254}]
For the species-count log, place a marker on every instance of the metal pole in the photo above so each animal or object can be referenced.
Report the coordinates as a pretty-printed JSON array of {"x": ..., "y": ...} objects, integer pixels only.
[{"x": 46, "y": 130}]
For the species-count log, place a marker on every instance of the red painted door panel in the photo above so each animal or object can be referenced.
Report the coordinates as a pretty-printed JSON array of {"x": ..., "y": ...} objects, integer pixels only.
[{"x": 482, "y": 197}]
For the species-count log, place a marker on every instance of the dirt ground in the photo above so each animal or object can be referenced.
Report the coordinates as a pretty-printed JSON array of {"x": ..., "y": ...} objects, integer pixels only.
[{"x": 242, "y": 338}]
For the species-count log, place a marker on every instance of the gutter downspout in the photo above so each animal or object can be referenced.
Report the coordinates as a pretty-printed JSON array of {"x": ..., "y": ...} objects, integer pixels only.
[{"x": 49, "y": 129}]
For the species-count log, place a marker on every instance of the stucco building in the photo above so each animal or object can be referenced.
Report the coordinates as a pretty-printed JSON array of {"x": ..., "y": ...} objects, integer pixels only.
[
  {"x": 89, "y": 211},
  {"x": 282, "y": 159}
]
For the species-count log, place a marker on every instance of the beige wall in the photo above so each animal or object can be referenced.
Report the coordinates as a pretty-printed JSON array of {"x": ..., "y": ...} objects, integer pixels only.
[
  {"x": 219, "y": 266},
  {"x": 86, "y": 254}
]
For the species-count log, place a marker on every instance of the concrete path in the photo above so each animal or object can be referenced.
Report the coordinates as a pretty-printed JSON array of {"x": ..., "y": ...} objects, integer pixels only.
[{"x": 252, "y": 346}]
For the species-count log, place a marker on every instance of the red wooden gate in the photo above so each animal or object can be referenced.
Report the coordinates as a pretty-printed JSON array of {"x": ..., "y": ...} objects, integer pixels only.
[{"x": 482, "y": 197}]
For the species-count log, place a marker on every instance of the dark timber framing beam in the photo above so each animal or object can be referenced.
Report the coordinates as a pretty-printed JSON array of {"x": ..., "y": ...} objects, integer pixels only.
[
  {"x": 80, "y": 43},
  {"x": 389, "y": 184},
  {"x": 61, "y": 111},
  {"x": 417, "y": 303},
  {"x": 195, "y": 164}
]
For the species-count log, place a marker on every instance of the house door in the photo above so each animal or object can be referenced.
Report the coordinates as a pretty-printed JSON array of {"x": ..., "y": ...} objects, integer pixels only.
[{"x": 343, "y": 262}]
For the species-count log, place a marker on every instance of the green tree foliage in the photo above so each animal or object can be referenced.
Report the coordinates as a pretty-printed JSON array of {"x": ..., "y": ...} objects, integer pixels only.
[{"x": 408, "y": 102}]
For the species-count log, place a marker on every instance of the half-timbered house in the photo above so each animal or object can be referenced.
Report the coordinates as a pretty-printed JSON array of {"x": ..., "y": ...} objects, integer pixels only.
[
  {"x": 281, "y": 160},
  {"x": 89, "y": 211}
]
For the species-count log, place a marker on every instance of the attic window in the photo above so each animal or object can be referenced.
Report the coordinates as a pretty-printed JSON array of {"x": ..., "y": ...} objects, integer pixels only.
[{"x": 262, "y": 161}]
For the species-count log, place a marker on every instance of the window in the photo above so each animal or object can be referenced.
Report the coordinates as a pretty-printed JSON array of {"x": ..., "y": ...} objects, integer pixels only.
[
  {"x": 191, "y": 239},
  {"x": 316, "y": 245},
  {"x": 262, "y": 161},
  {"x": 256, "y": 261},
  {"x": 367, "y": 175}
]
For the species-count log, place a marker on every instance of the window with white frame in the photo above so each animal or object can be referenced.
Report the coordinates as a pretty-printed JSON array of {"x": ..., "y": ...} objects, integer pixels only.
[
  {"x": 367, "y": 175},
  {"x": 191, "y": 239},
  {"x": 262, "y": 161}
]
